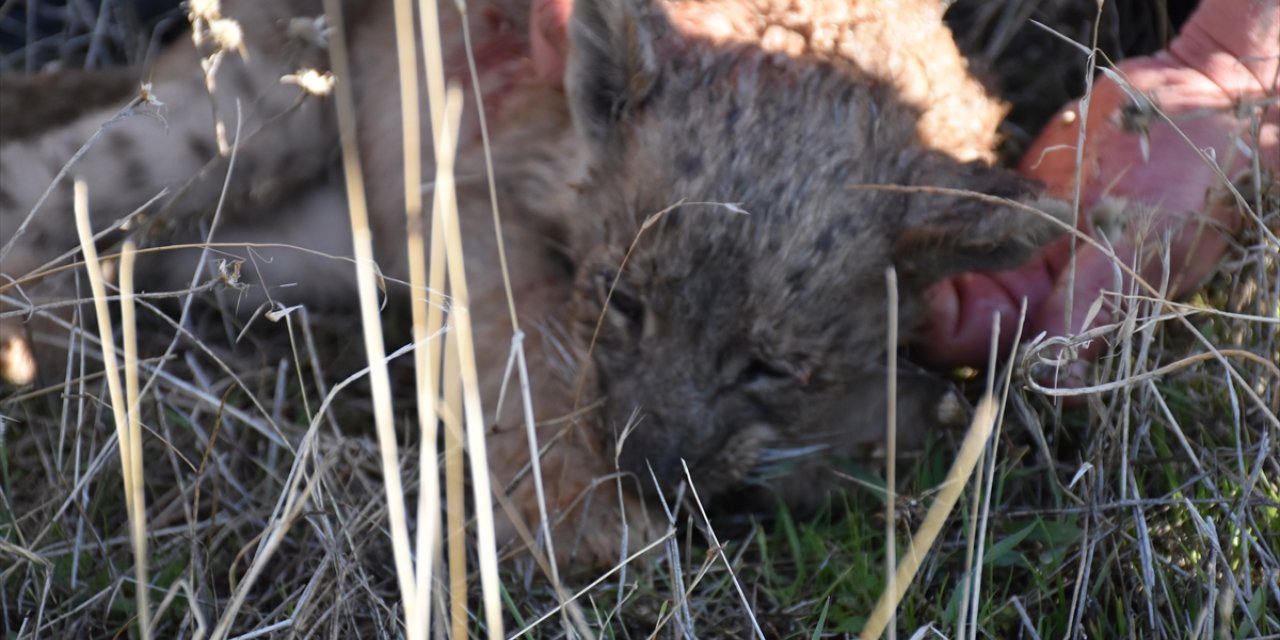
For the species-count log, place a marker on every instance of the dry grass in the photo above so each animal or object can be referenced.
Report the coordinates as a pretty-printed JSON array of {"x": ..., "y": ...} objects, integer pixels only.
[
  {"x": 1151, "y": 511},
  {"x": 64, "y": 34}
]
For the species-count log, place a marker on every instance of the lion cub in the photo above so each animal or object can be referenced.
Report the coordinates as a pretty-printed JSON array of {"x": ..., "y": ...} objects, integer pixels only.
[
  {"x": 732, "y": 235},
  {"x": 699, "y": 224}
]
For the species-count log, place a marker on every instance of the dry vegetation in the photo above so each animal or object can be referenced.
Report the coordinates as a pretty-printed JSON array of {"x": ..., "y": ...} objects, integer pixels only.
[{"x": 1151, "y": 510}]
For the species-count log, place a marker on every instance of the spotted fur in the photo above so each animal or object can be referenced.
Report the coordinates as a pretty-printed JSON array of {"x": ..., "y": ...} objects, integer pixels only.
[{"x": 709, "y": 172}]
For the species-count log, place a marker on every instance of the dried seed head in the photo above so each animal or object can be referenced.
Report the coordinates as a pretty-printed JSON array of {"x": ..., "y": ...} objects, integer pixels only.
[
  {"x": 311, "y": 81},
  {"x": 207, "y": 10},
  {"x": 229, "y": 274},
  {"x": 17, "y": 364},
  {"x": 147, "y": 97},
  {"x": 228, "y": 34}
]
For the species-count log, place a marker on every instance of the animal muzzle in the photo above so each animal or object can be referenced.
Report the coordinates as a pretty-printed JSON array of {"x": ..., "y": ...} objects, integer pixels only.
[{"x": 712, "y": 467}]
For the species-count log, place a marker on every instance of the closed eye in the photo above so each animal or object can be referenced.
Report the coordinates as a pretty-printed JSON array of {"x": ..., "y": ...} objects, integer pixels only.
[
  {"x": 627, "y": 305},
  {"x": 759, "y": 370},
  {"x": 618, "y": 300}
]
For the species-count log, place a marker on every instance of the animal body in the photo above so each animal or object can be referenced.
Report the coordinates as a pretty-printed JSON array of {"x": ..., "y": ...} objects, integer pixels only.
[{"x": 696, "y": 224}]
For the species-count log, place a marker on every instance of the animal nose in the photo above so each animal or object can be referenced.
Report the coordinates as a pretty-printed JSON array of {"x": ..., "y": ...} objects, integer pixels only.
[{"x": 640, "y": 460}]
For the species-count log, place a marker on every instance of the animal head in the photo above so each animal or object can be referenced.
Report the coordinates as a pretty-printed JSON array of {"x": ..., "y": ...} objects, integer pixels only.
[{"x": 732, "y": 289}]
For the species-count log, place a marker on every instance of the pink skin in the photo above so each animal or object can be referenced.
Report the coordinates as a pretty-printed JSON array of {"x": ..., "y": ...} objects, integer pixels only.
[
  {"x": 1226, "y": 55},
  {"x": 549, "y": 39}
]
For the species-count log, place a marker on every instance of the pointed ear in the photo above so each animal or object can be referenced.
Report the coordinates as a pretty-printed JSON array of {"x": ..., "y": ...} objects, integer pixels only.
[
  {"x": 612, "y": 67},
  {"x": 946, "y": 234}
]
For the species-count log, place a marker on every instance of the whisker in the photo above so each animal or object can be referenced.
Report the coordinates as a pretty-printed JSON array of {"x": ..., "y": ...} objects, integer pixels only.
[
  {"x": 780, "y": 455},
  {"x": 774, "y": 463}
]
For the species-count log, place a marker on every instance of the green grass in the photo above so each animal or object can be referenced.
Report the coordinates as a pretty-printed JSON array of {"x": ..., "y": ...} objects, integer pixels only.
[
  {"x": 1143, "y": 561},
  {"x": 1204, "y": 521}
]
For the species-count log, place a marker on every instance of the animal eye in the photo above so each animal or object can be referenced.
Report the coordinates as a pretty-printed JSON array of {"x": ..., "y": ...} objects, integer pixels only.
[
  {"x": 629, "y": 306},
  {"x": 619, "y": 298},
  {"x": 760, "y": 370}
]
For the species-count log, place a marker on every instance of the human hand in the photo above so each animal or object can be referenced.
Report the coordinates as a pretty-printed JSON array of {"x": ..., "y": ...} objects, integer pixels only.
[{"x": 1213, "y": 86}]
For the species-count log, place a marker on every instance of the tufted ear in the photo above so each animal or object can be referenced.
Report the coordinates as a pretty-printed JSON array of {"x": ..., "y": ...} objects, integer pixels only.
[
  {"x": 612, "y": 65},
  {"x": 946, "y": 234}
]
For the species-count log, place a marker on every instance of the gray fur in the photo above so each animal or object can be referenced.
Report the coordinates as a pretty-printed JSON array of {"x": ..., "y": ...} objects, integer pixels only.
[{"x": 732, "y": 335}]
